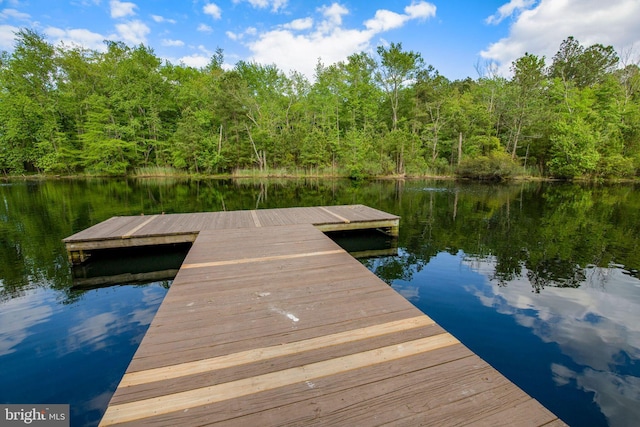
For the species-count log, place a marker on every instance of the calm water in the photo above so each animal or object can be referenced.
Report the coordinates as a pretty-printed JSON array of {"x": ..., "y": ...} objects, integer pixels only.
[{"x": 541, "y": 280}]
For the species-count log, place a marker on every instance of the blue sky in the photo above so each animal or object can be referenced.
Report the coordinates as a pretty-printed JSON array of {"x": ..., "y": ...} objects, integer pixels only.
[{"x": 455, "y": 36}]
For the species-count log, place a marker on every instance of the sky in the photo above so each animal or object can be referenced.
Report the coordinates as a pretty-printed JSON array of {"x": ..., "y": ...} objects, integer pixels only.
[{"x": 459, "y": 38}]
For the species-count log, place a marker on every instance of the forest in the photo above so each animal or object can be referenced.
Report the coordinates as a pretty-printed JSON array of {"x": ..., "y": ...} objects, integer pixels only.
[{"x": 67, "y": 110}]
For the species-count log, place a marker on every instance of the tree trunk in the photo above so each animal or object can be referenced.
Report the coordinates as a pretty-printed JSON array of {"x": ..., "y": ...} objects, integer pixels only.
[
  {"x": 255, "y": 150},
  {"x": 515, "y": 139}
]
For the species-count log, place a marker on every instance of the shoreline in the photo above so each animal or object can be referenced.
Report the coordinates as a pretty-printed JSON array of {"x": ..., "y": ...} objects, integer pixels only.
[{"x": 293, "y": 176}]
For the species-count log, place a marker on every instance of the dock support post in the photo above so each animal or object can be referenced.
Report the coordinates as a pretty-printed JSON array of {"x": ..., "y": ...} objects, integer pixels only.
[
  {"x": 78, "y": 257},
  {"x": 394, "y": 230}
]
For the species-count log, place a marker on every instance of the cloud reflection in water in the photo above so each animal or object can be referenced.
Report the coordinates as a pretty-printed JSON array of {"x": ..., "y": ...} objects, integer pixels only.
[{"x": 597, "y": 325}]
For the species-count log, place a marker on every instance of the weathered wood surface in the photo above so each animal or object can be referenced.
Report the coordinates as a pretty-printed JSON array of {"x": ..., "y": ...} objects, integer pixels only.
[
  {"x": 188, "y": 223},
  {"x": 151, "y": 230},
  {"x": 277, "y": 325}
]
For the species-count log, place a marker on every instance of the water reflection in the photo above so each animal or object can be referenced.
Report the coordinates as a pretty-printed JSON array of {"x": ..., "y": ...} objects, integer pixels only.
[
  {"x": 597, "y": 325},
  {"x": 75, "y": 352},
  {"x": 127, "y": 266},
  {"x": 539, "y": 279},
  {"x": 616, "y": 395},
  {"x": 18, "y": 316},
  {"x": 589, "y": 332}
]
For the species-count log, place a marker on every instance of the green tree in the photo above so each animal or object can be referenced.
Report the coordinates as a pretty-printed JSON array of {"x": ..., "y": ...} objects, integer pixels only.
[
  {"x": 79, "y": 80},
  {"x": 108, "y": 147},
  {"x": 325, "y": 104},
  {"x": 583, "y": 67},
  {"x": 266, "y": 107},
  {"x": 432, "y": 105},
  {"x": 361, "y": 95},
  {"x": 528, "y": 85},
  {"x": 397, "y": 68},
  {"x": 31, "y": 137},
  {"x": 573, "y": 150}
]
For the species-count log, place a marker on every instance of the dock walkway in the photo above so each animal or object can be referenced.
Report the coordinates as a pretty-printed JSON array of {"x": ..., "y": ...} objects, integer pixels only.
[{"x": 277, "y": 325}]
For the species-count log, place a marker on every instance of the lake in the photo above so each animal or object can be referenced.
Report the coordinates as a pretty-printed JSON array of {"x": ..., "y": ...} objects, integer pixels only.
[{"x": 542, "y": 280}]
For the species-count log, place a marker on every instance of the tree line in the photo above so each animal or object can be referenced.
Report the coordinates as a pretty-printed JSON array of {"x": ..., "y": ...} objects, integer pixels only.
[{"x": 70, "y": 110}]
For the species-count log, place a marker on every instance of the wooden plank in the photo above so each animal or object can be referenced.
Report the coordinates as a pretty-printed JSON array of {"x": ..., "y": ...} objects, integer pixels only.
[
  {"x": 115, "y": 243},
  {"x": 105, "y": 229},
  {"x": 375, "y": 395},
  {"x": 140, "y": 228},
  {"x": 152, "y": 354},
  {"x": 129, "y": 233},
  {"x": 277, "y": 325},
  {"x": 256, "y": 220},
  {"x": 201, "y": 396},
  {"x": 259, "y": 367},
  {"x": 168, "y": 341},
  {"x": 341, "y": 218},
  {"x": 261, "y": 259},
  {"x": 256, "y": 354},
  {"x": 244, "y": 243},
  {"x": 360, "y": 213}
]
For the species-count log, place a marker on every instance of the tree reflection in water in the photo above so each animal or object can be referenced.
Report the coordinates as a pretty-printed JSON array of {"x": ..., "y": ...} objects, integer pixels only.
[{"x": 540, "y": 279}]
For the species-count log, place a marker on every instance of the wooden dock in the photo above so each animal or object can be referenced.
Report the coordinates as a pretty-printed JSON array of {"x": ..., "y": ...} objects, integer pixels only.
[
  {"x": 277, "y": 325},
  {"x": 151, "y": 230}
]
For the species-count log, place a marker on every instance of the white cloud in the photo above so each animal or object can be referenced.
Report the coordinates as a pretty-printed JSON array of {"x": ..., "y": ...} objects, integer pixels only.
[
  {"x": 420, "y": 10},
  {"x": 121, "y": 9},
  {"x": 213, "y": 10},
  {"x": 172, "y": 43},
  {"x": 76, "y": 37},
  {"x": 7, "y": 36},
  {"x": 301, "y": 53},
  {"x": 19, "y": 315},
  {"x": 565, "y": 317},
  {"x": 299, "y": 24},
  {"x": 91, "y": 333},
  {"x": 251, "y": 31},
  {"x": 204, "y": 28},
  {"x": 299, "y": 44},
  {"x": 14, "y": 14},
  {"x": 385, "y": 20},
  {"x": 133, "y": 32},
  {"x": 275, "y": 5},
  {"x": 203, "y": 48},
  {"x": 333, "y": 15},
  {"x": 615, "y": 394},
  {"x": 540, "y": 29},
  {"x": 561, "y": 315},
  {"x": 160, "y": 19},
  {"x": 195, "y": 60},
  {"x": 509, "y": 9}
]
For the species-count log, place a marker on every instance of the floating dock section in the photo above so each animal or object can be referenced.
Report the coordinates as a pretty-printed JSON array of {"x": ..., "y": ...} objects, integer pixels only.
[
  {"x": 151, "y": 230},
  {"x": 274, "y": 324}
]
